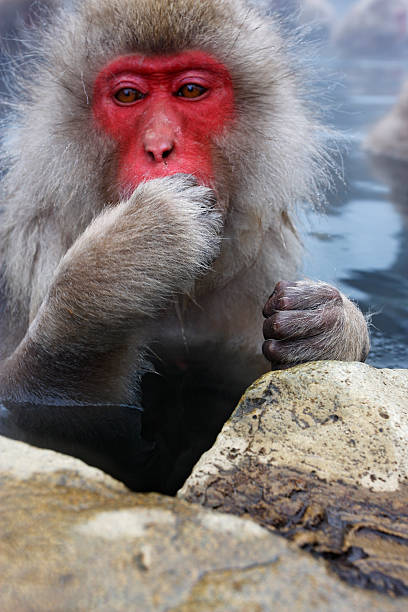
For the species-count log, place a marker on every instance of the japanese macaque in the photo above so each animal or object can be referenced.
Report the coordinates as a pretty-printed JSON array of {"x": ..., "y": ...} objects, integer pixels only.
[
  {"x": 153, "y": 165},
  {"x": 389, "y": 138},
  {"x": 374, "y": 27}
]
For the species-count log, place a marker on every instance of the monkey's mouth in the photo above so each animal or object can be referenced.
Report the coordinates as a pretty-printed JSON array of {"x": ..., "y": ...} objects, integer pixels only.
[
  {"x": 128, "y": 186},
  {"x": 218, "y": 202}
]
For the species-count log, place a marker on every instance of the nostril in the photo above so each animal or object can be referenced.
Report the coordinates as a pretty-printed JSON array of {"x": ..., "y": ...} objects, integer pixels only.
[
  {"x": 159, "y": 153},
  {"x": 167, "y": 152}
]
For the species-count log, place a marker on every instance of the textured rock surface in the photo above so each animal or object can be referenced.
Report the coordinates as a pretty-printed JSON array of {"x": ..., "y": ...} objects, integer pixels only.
[
  {"x": 319, "y": 453},
  {"x": 73, "y": 539}
]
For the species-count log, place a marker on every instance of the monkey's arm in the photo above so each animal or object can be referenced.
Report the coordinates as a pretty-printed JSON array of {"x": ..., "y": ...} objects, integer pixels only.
[
  {"x": 118, "y": 275},
  {"x": 307, "y": 321}
]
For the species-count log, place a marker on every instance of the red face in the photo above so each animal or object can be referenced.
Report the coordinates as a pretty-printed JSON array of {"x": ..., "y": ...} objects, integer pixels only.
[{"x": 164, "y": 113}]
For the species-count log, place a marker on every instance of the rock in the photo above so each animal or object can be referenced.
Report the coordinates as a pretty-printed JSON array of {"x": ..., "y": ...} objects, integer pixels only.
[
  {"x": 374, "y": 27},
  {"x": 73, "y": 538},
  {"x": 319, "y": 454},
  {"x": 390, "y": 136}
]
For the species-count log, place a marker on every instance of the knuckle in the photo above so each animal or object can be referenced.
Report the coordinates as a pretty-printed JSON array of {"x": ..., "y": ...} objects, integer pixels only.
[
  {"x": 334, "y": 294},
  {"x": 284, "y": 303},
  {"x": 275, "y": 326},
  {"x": 268, "y": 328},
  {"x": 281, "y": 287},
  {"x": 269, "y": 308},
  {"x": 266, "y": 310},
  {"x": 280, "y": 323},
  {"x": 271, "y": 350},
  {"x": 327, "y": 293}
]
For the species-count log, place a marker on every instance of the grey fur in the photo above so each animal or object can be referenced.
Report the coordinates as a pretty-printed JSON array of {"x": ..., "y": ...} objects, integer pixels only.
[{"x": 60, "y": 182}]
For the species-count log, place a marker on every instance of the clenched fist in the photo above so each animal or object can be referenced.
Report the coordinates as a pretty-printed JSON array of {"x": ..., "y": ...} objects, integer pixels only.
[{"x": 308, "y": 321}]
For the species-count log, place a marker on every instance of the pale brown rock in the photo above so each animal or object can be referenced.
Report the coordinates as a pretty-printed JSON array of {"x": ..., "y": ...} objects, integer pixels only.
[
  {"x": 73, "y": 539},
  {"x": 319, "y": 453}
]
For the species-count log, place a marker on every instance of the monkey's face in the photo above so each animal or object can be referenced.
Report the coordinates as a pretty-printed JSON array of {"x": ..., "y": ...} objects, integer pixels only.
[{"x": 164, "y": 113}]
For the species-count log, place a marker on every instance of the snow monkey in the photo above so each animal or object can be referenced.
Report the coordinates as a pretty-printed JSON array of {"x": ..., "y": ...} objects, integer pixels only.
[{"x": 155, "y": 156}]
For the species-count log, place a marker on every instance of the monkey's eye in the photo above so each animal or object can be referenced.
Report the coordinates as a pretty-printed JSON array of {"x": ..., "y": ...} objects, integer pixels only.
[
  {"x": 128, "y": 95},
  {"x": 191, "y": 90}
]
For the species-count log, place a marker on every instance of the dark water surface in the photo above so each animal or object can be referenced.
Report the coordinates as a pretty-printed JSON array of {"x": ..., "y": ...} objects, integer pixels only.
[{"x": 361, "y": 244}]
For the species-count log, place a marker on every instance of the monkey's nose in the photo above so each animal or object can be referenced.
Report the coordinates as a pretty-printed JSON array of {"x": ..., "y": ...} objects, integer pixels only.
[{"x": 158, "y": 149}]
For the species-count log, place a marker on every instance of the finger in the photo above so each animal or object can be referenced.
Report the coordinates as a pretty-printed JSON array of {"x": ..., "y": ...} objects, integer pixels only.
[
  {"x": 276, "y": 301},
  {"x": 301, "y": 296},
  {"x": 275, "y": 351},
  {"x": 294, "y": 351},
  {"x": 283, "y": 325}
]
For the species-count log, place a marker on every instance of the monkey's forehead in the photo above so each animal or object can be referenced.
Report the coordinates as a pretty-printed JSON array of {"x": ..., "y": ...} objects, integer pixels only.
[
  {"x": 160, "y": 26},
  {"x": 229, "y": 30},
  {"x": 169, "y": 64}
]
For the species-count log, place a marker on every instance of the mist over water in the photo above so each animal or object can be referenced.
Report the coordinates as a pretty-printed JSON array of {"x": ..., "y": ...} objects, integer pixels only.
[{"x": 361, "y": 244}]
